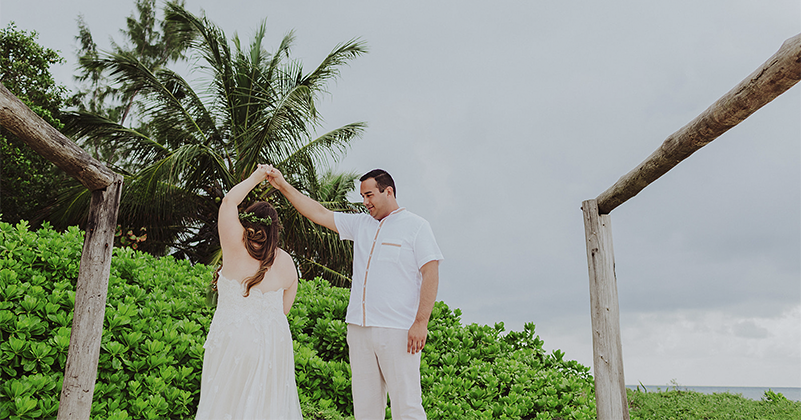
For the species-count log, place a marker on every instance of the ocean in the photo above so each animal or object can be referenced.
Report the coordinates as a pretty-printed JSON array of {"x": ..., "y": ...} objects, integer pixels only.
[{"x": 753, "y": 393}]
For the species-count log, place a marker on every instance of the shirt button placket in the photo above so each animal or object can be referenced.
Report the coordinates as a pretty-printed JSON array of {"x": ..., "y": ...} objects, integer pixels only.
[{"x": 367, "y": 271}]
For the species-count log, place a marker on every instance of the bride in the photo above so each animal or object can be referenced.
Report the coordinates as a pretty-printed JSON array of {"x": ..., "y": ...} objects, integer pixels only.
[{"x": 248, "y": 365}]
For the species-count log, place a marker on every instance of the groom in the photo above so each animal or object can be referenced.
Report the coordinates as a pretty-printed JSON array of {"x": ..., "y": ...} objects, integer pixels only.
[{"x": 395, "y": 279}]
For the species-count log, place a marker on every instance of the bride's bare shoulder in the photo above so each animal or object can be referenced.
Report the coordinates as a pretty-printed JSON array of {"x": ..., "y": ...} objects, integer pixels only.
[{"x": 283, "y": 260}]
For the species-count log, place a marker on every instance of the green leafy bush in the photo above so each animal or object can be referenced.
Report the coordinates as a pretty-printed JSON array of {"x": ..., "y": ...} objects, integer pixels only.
[
  {"x": 156, "y": 322},
  {"x": 477, "y": 372},
  {"x": 691, "y": 405},
  {"x": 154, "y": 328}
]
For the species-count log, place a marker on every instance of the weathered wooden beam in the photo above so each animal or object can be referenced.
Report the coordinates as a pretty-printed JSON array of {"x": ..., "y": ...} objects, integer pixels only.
[
  {"x": 17, "y": 118},
  {"x": 92, "y": 286},
  {"x": 610, "y": 384},
  {"x": 774, "y": 77},
  {"x": 91, "y": 289}
]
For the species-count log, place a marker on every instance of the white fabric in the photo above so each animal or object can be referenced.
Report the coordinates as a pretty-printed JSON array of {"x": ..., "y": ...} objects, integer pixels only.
[
  {"x": 387, "y": 257},
  {"x": 380, "y": 363},
  {"x": 248, "y": 365}
]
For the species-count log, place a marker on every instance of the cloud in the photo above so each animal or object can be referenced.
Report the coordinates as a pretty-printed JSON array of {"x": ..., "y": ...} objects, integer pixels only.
[
  {"x": 749, "y": 329},
  {"x": 712, "y": 348}
]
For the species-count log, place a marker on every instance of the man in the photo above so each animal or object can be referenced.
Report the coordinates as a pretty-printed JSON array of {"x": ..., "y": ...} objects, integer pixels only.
[{"x": 395, "y": 280}]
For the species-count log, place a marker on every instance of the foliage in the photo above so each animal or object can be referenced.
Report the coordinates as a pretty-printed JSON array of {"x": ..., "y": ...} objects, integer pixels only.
[
  {"x": 156, "y": 322},
  {"x": 28, "y": 181},
  {"x": 691, "y": 405},
  {"x": 25, "y": 67},
  {"x": 129, "y": 239},
  {"x": 182, "y": 148},
  {"x": 476, "y": 371}
]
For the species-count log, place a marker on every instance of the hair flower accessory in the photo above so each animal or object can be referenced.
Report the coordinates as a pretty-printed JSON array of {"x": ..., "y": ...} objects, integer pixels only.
[{"x": 250, "y": 217}]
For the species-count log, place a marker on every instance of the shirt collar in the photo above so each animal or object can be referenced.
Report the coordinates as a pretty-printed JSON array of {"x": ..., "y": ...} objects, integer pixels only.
[{"x": 396, "y": 211}]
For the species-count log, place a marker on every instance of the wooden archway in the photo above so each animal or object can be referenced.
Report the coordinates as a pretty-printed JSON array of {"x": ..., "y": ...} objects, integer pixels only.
[
  {"x": 92, "y": 286},
  {"x": 778, "y": 74}
]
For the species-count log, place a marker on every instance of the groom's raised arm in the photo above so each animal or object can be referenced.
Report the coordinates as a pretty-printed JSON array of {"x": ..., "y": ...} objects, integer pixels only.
[{"x": 309, "y": 208}]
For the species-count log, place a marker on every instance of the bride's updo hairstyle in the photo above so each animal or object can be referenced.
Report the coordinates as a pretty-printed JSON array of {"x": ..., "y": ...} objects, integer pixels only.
[{"x": 262, "y": 232}]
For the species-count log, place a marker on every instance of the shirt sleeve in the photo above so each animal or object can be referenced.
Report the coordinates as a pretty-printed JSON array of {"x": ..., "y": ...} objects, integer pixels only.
[
  {"x": 425, "y": 246},
  {"x": 347, "y": 224}
]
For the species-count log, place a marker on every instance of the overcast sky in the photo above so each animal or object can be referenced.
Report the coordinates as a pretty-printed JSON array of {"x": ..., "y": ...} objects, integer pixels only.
[{"x": 498, "y": 118}]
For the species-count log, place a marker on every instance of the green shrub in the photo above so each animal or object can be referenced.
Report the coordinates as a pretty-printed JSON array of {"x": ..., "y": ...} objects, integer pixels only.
[
  {"x": 691, "y": 405},
  {"x": 476, "y": 371},
  {"x": 154, "y": 328},
  {"x": 156, "y": 322}
]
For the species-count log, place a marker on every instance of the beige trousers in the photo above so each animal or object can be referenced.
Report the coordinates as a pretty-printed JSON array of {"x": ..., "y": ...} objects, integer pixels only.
[{"x": 379, "y": 364}]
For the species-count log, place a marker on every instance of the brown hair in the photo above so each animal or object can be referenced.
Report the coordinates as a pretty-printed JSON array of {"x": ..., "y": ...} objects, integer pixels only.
[
  {"x": 382, "y": 180},
  {"x": 261, "y": 241}
]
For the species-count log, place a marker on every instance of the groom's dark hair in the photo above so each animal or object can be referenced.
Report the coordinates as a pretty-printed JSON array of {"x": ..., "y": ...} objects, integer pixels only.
[{"x": 382, "y": 180}]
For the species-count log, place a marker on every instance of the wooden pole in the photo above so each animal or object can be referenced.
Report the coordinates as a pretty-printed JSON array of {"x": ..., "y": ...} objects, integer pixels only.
[
  {"x": 774, "y": 77},
  {"x": 610, "y": 386},
  {"x": 90, "y": 304},
  {"x": 17, "y": 118},
  {"x": 92, "y": 286}
]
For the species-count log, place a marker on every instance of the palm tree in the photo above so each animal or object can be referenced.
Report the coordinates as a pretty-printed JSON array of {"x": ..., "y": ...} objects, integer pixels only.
[
  {"x": 148, "y": 40},
  {"x": 188, "y": 148}
]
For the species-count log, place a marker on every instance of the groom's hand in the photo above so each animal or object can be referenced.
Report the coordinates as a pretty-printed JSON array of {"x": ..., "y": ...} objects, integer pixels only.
[
  {"x": 274, "y": 177},
  {"x": 417, "y": 337}
]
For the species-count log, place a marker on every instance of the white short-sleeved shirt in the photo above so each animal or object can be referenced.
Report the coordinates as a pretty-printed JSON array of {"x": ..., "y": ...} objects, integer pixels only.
[{"x": 387, "y": 256}]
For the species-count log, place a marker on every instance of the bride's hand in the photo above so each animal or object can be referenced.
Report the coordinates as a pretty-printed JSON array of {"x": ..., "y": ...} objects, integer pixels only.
[
  {"x": 274, "y": 176},
  {"x": 263, "y": 170}
]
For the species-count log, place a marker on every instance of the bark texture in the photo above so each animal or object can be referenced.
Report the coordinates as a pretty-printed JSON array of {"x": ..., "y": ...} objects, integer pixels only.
[
  {"x": 17, "y": 118},
  {"x": 90, "y": 304},
  {"x": 607, "y": 350}
]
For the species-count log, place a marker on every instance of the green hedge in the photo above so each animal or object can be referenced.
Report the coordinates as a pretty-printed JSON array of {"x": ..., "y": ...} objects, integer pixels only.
[
  {"x": 156, "y": 322},
  {"x": 690, "y": 405}
]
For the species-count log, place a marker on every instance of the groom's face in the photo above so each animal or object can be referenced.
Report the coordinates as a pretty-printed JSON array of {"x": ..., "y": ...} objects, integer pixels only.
[{"x": 377, "y": 202}]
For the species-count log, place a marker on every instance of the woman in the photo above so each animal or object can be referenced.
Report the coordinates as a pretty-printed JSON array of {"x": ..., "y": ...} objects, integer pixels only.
[{"x": 248, "y": 366}]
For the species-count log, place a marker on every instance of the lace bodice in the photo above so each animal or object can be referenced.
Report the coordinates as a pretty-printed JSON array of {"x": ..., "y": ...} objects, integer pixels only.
[
  {"x": 258, "y": 311},
  {"x": 232, "y": 297}
]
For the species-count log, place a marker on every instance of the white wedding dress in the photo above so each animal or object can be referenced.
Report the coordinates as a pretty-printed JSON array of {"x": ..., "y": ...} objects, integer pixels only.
[{"x": 248, "y": 365}]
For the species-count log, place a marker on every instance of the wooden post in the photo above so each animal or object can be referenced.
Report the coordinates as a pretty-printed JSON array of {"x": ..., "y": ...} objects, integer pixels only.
[
  {"x": 610, "y": 385},
  {"x": 90, "y": 304},
  {"x": 92, "y": 287},
  {"x": 774, "y": 77}
]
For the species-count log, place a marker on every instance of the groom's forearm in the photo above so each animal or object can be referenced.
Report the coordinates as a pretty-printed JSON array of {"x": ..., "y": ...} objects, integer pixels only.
[{"x": 309, "y": 208}]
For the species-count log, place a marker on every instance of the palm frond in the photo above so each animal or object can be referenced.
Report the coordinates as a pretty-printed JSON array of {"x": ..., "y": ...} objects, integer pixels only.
[
  {"x": 280, "y": 54},
  {"x": 280, "y": 133},
  {"x": 337, "y": 140},
  {"x": 329, "y": 68},
  {"x": 183, "y": 112},
  {"x": 334, "y": 189},
  {"x": 308, "y": 240},
  {"x": 71, "y": 207},
  {"x": 209, "y": 40},
  {"x": 191, "y": 166},
  {"x": 169, "y": 98},
  {"x": 93, "y": 130}
]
